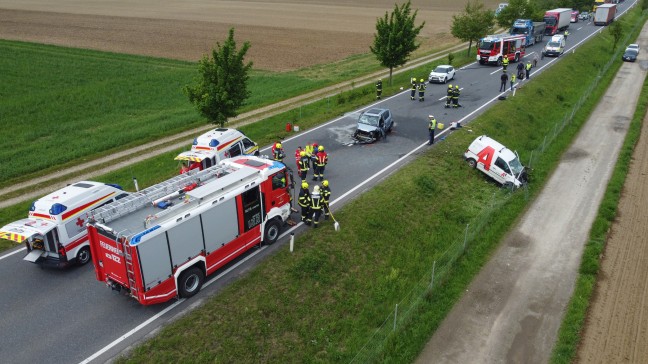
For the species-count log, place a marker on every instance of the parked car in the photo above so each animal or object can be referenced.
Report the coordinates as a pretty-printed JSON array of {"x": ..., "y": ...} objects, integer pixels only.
[
  {"x": 633, "y": 46},
  {"x": 442, "y": 74},
  {"x": 584, "y": 16},
  {"x": 630, "y": 55},
  {"x": 373, "y": 125}
]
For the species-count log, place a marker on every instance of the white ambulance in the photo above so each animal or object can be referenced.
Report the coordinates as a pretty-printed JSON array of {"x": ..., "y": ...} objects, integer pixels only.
[
  {"x": 55, "y": 232},
  {"x": 497, "y": 161},
  {"x": 215, "y": 145}
]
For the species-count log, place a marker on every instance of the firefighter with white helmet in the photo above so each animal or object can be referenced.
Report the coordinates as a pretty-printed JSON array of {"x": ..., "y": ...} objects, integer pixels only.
[
  {"x": 305, "y": 203},
  {"x": 316, "y": 205}
]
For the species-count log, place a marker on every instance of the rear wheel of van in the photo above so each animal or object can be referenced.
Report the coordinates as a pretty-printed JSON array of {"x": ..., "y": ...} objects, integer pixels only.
[
  {"x": 271, "y": 233},
  {"x": 471, "y": 162},
  {"x": 190, "y": 282},
  {"x": 83, "y": 256}
]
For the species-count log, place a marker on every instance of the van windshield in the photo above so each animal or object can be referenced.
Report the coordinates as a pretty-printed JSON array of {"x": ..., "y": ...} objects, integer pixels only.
[
  {"x": 553, "y": 44},
  {"x": 368, "y": 120},
  {"x": 516, "y": 166}
]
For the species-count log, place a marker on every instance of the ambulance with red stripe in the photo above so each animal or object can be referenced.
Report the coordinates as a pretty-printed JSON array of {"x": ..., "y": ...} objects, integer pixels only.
[
  {"x": 496, "y": 161},
  {"x": 55, "y": 232},
  {"x": 161, "y": 242},
  {"x": 215, "y": 145}
]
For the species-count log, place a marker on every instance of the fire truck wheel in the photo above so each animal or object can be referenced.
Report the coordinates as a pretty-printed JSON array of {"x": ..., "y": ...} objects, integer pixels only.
[
  {"x": 272, "y": 230},
  {"x": 472, "y": 163},
  {"x": 83, "y": 256},
  {"x": 190, "y": 282}
]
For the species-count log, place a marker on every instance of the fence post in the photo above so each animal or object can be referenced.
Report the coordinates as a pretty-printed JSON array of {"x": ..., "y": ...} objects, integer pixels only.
[
  {"x": 433, "y": 269},
  {"x": 465, "y": 237},
  {"x": 395, "y": 316}
]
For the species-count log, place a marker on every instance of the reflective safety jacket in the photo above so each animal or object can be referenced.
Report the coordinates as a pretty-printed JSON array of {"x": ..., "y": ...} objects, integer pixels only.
[
  {"x": 304, "y": 198},
  {"x": 316, "y": 201},
  {"x": 432, "y": 125},
  {"x": 326, "y": 194},
  {"x": 304, "y": 163},
  {"x": 278, "y": 154},
  {"x": 322, "y": 158},
  {"x": 456, "y": 93}
]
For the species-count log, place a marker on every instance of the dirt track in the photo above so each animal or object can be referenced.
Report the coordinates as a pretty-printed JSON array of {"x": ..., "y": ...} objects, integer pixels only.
[{"x": 284, "y": 35}]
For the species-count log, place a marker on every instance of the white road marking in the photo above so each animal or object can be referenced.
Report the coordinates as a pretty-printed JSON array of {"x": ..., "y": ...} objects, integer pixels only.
[
  {"x": 12, "y": 253},
  {"x": 579, "y": 28}
]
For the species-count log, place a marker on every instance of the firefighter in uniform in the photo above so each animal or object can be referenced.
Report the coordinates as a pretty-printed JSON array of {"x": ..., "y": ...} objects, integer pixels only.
[
  {"x": 413, "y": 90},
  {"x": 278, "y": 153},
  {"x": 316, "y": 205},
  {"x": 378, "y": 89},
  {"x": 320, "y": 164},
  {"x": 455, "y": 96},
  {"x": 421, "y": 90},
  {"x": 305, "y": 203},
  {"x": 313, "y": 155},
  {"x": 449, "y": 96},
  {"x": 505, "y": 63},
  {"x": 325, "y": 192},
  {"x": 304, "y": 164},
  {"x": 432, "y": 128},
  {"x": 528, "y": 70}
]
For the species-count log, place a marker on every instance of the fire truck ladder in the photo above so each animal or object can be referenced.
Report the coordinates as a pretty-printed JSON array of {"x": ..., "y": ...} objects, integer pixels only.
[
  {"x": 138, "y": 200},
  {"x": 130, "y": 271}
]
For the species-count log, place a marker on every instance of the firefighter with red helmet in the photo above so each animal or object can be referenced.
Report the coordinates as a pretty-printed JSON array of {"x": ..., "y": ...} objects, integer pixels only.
[
  {"x": 320, "y": 163},
  {"x": 305, "y": 203}
]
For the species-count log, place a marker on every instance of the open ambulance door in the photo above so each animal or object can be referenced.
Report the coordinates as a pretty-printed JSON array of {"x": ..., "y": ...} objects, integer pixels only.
[
  {"x": 40, "y": 236},
  {"x": 196, "y": 160}
]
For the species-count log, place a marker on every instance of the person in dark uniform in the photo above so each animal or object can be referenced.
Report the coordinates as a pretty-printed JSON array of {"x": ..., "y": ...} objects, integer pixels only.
[
  {"x": 431, "y": 128},
  {"x": 378, "y": 89},
  {"x": 325, "y": 192},
  {"x": 455, "y": 96},
  {"x": 421, "y": 90},
  {"x": 449, "y": 96},
  {"x": 304, "y": 163},
  {"x": 413, "y": 90},
  {"x": 305, "y": 203},
  {"x": 316, "y": 205},
  {"x": 504, "y": 79}
]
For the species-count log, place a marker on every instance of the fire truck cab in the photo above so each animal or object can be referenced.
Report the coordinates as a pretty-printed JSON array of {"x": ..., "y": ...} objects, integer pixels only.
[
  {"x": 161, "y": 242},
  {"x": 215, "y": 145},
  {"x": 494, "y": 48},
  {"x": 55, "y": 232}
]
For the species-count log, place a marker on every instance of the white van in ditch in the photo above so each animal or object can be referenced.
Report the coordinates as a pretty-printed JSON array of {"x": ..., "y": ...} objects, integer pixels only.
[
  {"x": 497, "y": 161},
  {"x": 215, "y": 145},
  {"x": 55, "y": 232}
]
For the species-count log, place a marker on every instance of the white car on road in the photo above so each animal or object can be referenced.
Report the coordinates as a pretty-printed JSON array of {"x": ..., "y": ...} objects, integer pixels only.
[
  {"x": 442, "y": 74},
  {"x": 633, "y": 46}
]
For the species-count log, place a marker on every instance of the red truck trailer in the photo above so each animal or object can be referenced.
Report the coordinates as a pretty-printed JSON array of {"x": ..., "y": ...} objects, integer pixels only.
[
  {"x": 161, "y": 242},
  {"x": 557, "y": 20}
]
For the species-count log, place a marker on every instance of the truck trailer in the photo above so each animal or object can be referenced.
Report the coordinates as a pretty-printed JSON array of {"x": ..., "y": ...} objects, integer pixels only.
[
  {"x": 605, "y": 14},
  {"x": 161, "y": 242},
  {"x": 557, "y": 20},
  {"x": 534, "y": 31}
]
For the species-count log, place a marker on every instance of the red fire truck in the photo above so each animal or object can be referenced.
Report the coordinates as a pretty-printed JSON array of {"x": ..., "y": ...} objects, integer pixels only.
[
  {"x": 494, "y": 48},
  {"x": 162, "y": 242}
]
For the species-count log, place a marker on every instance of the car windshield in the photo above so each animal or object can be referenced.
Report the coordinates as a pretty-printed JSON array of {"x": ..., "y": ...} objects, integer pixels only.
[
  {"x": 486, "y": 45},
  {"x": 630, "y": 52},
  {"x": 369, "y": 119},
  {"x": 554, "y": 44},
  {"x": 633, "y": 46},
  {"x": 550, "y": 21},
  {"x": 441, "y": 69},
  {"x": 516, "y": 166}
]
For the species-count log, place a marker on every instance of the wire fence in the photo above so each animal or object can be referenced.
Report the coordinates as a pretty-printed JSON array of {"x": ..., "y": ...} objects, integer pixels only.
[{"x": 443, "y": 264}]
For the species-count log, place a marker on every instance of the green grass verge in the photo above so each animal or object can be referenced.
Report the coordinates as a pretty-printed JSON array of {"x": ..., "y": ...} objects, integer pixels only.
[
  {"x": 573, "y": 323},
  {"x": 67, "y": 105},
  {"x": 322, "y": 303}
]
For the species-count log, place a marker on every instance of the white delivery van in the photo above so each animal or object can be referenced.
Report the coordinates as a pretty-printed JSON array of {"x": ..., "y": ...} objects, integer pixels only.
[
  {"x": 55, "y": 232},
  {"x": 555, "y": 47},
  {"x": 497, "y": 161},
  {"x": 215, "y": 145}
]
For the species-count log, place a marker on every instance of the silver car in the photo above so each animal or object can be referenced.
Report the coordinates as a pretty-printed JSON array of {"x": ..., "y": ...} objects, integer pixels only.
[{"x": 373, "y": 125}]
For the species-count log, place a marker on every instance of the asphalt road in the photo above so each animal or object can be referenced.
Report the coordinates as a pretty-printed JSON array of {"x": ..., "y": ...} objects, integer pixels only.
[{"x": 68, "y": 317}]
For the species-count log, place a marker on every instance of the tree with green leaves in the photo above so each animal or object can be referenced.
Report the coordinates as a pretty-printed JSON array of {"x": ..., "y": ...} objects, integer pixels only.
[
  {"x": 518, "y": 9},
  {"x": 616, "y": 30},
  {"x": 474, "y": 23},
  {"x": 395, "y": 37},
  {"x": 222, "y": 86}
]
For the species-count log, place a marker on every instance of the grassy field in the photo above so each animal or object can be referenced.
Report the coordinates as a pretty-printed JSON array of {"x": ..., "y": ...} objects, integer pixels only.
[{"x": 322, "y": 303}]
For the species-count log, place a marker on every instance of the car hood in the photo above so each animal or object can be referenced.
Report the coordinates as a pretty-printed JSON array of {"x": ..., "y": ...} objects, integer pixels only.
[
  {"x": 438, "y": 74},
  {"x": 365, "y": 127}
]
